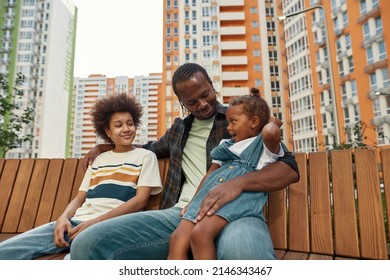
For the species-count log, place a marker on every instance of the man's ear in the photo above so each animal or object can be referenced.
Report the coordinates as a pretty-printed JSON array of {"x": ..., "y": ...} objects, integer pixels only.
[{"x": 255, "y": 122}]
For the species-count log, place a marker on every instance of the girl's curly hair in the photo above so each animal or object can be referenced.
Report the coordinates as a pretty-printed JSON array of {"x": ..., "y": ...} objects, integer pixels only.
[
  {"x": 104, "y": 108},
  {"x": 254, "y": 105}
]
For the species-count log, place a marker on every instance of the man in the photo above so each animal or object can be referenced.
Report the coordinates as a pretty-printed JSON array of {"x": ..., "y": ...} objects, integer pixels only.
[{"x": 145, "y": 235}]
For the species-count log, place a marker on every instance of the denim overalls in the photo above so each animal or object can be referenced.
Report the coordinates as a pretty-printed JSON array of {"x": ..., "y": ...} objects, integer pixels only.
[{"x": 248, "y": 203}]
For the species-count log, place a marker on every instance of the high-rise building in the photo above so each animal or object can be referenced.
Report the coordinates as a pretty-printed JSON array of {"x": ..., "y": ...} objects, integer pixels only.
[
  {"x": 146, "y": 91},
  {"x": 235, "y": 40},
  {"x": 82, "y": 134},
  {"x": 336, "y": 58},
  {"x": 37, "y": 38}
]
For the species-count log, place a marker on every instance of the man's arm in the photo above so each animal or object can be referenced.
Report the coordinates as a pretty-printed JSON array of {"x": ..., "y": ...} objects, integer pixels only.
[{"x": 273, "y": 177}]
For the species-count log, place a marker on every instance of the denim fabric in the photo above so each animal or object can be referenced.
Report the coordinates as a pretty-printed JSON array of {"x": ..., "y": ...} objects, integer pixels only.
[
  {"x": 145, "y": 235},
  {"x": 32, "y": 244},
  {"x": 248, "y": 204}
]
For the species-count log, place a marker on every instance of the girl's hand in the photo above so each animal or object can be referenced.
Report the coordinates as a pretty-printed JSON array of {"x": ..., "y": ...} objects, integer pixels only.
[{"x": 183, "y": 210}]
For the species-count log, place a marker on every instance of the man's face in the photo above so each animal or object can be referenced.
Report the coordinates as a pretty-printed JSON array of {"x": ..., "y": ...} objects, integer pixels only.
[{"x": 198, "y": 96}]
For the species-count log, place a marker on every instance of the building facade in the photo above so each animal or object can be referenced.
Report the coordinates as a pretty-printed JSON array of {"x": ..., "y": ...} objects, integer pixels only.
[
  {"x": 38, "y": 39},
  {"x": 235, "y": 40},
  {"x": 336, "y": 58}
]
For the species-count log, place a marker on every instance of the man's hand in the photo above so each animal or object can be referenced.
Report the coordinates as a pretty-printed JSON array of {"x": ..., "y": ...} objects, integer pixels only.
[
  {"x": 92, "y": 154},
  {"x": 217, "y": 197},
  {"x": 62, "y": 225}
]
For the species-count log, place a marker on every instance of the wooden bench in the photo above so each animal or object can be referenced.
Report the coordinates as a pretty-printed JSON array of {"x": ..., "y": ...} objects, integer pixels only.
[{"x": 336, "y": 211}]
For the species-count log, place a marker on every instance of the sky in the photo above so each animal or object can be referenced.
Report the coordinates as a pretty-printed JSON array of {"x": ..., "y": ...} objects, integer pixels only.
[{"x": 118, "y": 37}]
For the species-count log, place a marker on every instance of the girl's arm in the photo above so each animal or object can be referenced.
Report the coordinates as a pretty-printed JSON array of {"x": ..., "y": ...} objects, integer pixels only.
[{"x": 271, "y": 134}]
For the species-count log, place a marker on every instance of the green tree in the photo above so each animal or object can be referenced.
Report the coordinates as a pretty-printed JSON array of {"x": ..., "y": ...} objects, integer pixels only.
[
  {"x": 13, "y": 118},
  {"x": 359, "y": 136}
]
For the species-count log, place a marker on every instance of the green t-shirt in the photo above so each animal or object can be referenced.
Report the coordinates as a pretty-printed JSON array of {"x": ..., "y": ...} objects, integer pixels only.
[{"x": 194, "y": 159}]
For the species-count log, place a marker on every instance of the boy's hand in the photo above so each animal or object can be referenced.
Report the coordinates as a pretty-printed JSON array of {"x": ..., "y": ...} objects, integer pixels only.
[{"x": 62, "y": 225}]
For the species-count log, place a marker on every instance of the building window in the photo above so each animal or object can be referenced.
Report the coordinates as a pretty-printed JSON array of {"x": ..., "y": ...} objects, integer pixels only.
[{"x": 276, "y": 101}]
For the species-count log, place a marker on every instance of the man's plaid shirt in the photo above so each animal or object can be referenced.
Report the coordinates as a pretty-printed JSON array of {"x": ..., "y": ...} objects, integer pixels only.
[{"x": 171, "y": 145}]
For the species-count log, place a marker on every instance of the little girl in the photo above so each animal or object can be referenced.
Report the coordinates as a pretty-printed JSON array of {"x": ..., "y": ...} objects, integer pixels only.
[{"x": 255, "y": 143}]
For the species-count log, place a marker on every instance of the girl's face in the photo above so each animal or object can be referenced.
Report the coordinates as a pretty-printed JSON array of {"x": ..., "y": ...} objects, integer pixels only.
[
  {"x": 121, "y": 131},
  {"x": 241, "y": 126},
  {"x": 198, "y": 96}
]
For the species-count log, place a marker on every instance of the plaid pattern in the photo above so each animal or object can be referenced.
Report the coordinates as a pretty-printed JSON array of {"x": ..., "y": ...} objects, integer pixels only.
[{"x": 171, "y": 145}]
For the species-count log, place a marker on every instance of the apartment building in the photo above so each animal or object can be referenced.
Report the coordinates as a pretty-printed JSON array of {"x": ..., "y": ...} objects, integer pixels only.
[
  {"x": 336, "y": 58},
  {"x": 86, "y": 92},
  {"x": 147, "y": 91},
  {"x": 37, "y": 38},
  {"x": 235, "y": 40}
]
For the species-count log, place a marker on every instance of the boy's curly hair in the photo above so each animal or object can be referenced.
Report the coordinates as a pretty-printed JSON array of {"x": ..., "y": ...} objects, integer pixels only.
[
  {"x": 104, "y": 108},
  {"x": 254, "y": 105}
]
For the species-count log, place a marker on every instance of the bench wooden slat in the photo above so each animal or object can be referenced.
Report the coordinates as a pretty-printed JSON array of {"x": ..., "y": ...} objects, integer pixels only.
[
  {"x": 19, "y": 192},
  {"x": 298, "y": 234},
  {"x": 65, "y": 187},
  {"x": 2, "y": 163},
  {"x": 290, "y": 255},
  {"x": 371, "y": 222},
  {"x": 345, "y": 222},
  {"x": 318, "y": 257},
  {"x": 78, "y": 178},
  {"x": 277, "y": 220},
  {"x": 385, "y": 158},
  {"x": 49, "y": 193},
  {"x": 33, "y": 196},
  {"x": 7, "y": 181},
  {"x": 320, "y": 210}
]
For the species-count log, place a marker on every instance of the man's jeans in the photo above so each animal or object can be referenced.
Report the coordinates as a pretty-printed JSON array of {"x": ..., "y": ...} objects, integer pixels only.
[
  {"x": 32, "y": 244},
  {"x": 145, "y": 235}
]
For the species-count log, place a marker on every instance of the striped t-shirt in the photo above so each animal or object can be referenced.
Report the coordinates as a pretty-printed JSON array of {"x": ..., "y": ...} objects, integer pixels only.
[{"x": 113, "y": 179}]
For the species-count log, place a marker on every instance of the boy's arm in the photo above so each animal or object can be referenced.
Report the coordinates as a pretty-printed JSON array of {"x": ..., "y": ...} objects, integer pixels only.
[{"x": 135, "y": 204}]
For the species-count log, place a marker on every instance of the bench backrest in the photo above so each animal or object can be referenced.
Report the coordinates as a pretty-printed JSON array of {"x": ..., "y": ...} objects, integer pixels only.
[{"x": 338, "y": 208}]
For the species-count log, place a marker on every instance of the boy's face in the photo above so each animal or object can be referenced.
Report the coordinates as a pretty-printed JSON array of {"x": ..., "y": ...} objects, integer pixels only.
[
  {"x": 121, "y": 131},
  {"x": 198, "y": 96}
]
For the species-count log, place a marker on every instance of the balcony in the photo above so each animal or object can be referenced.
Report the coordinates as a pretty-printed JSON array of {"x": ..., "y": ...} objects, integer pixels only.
[
  {"x": 235, "y": 76},
  {"x": 229, "y": 3},
  {"x": 236, "y": 30},
  {"x": 234, "y": 60},
  {"x": 233, "y": 45},
  {"x": 235, "y": 91},
  {"x": 232, "y": 16}
]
